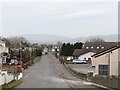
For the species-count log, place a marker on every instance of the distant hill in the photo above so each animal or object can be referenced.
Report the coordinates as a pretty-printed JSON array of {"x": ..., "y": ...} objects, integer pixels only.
[
  {"x": 107, "y": 38},
  {"x": 52, "y": 39},
  {"x": 44, "y": 38}
]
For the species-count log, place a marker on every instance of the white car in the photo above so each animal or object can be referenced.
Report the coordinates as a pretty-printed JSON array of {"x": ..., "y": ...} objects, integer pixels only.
[{"x": 77, "y": 61}]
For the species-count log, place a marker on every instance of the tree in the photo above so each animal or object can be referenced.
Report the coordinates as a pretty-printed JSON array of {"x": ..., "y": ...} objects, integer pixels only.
[
  {"x": 26, "y": 55},
  {"x": 59, "y": 43},
  {"x": 68, "y": 49},
  {"x": 37, "y": 51},
  {"x": 71, "y": 49},
  {"x": 16, "y": 42},
  {"x": 78, "y": 45},
  {"x": 62, "y": 49}
]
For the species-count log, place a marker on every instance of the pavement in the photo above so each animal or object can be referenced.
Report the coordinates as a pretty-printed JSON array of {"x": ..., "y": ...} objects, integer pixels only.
[
  {"x": 49, "y": 73},
  {"x": 83, "y": 68}
]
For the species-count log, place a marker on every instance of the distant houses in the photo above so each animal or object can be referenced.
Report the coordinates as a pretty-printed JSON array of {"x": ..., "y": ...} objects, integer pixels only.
[{"x": 83, "y": 54}]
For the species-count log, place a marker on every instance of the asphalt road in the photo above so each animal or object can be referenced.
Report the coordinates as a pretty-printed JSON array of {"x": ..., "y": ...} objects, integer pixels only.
[{"x": 49, "y": 73}]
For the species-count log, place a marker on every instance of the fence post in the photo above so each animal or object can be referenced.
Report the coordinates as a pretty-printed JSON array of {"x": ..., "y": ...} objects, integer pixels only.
[{"x": 89, "y": 75}]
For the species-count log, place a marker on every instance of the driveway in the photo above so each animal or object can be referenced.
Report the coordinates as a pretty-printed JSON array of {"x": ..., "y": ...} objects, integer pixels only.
[{"x": 83, "y": 68}]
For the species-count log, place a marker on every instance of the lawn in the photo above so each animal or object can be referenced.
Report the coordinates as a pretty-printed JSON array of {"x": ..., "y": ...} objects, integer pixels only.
[
  {"x": 38, "y": 58},
  {"x": 11, "y": 85}
]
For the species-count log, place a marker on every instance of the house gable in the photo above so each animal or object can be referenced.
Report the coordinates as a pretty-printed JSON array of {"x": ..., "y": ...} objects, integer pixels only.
[{"x": 86, "y": 56}]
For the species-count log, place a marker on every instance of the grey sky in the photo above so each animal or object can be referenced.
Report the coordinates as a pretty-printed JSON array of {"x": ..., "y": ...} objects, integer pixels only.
[{"x": 70, "y": 18}]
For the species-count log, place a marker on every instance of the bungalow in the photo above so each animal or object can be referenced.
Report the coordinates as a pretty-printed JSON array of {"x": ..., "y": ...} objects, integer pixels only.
[
  {"x": 83, "y": 54},
  {"x": 107, "y": 62},
  {"x": 90, "y": 48}
]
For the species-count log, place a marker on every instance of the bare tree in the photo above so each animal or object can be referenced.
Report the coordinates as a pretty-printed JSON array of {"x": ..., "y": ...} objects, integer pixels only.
[
  {"x": 59, "y": 43},
  {"x": 95, "y": 39},
  {"x": 14, "y": 42}
]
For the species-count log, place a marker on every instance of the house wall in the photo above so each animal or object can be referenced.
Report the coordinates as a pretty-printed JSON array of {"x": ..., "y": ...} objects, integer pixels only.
[
  {"x": 114, "y": 62},
  {"x": 87, "y": 55},
  {"x": 119, "y": 62},
  {"x": 111, "y": 59},
  {"x": 0, "y": 63},
  {"x": 101, "y": 60},
  {"x": 3, "y": 48}
]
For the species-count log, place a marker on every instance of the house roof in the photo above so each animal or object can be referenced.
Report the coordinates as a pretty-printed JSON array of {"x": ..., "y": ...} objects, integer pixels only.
[
  {"x": 78, "y": 52},
  {"x": 95, "y": 47},
  {"x": 99, "y": 46},
  {"x": 106, "y": 51}
]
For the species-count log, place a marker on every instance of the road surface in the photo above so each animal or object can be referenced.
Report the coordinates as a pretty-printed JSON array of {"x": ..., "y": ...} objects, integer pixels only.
[{"x": 49, "y": 73}]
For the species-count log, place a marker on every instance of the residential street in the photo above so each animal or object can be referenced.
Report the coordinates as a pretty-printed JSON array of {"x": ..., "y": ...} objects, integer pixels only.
[{"x": 49, "y": 73}]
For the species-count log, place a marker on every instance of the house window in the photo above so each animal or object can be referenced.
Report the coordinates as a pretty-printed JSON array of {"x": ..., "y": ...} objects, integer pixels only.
[
  {"x": 103, "y": 69},
  {"x": 89, "y": 59},
  {"x": 91, "y": 47},
  {"x": 102, "y": 47},
  {"x": 3, "y": 60},
  {"x": 98, "y": 47}
]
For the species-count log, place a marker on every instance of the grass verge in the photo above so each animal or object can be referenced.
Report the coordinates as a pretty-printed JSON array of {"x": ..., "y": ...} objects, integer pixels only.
[
  {"x": 38, "y": 58},
  {"x": 11, "y": 85}
]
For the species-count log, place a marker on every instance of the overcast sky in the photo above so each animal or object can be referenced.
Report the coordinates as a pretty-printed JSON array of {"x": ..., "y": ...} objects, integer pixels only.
[{"x": 69, "y": 18}]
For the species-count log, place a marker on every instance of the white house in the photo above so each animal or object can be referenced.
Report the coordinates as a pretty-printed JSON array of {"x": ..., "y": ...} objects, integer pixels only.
[
  {"x": 70, "y": 58},
  {"x": 3, "y": 49},
  {"x": 86, "y": 56},
  {"x": 107, "y": 62},
  {"x": 83, "y": 54}
]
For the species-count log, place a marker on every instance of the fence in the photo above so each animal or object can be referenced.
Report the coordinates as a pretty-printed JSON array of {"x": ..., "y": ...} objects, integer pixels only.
[{"x": 6, "y": 77}]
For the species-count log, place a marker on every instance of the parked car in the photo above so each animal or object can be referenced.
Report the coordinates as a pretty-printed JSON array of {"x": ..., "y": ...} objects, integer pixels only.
[{"x": 77, "y": 61}]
